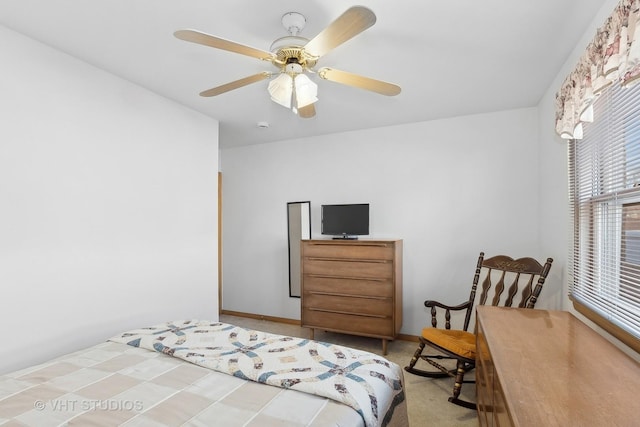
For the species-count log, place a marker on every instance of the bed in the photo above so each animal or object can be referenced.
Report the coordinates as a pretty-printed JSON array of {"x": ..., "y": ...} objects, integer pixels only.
[{"x": 201, "y": 373}]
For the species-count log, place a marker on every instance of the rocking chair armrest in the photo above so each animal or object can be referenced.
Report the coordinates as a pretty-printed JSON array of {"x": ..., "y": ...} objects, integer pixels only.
[
  {"x": 447, "y": 312},
  {"x": 465, "y": 305}
]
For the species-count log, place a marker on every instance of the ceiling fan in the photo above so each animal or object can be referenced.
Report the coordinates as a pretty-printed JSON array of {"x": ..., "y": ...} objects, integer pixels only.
[{"x": 295, "y": 57}]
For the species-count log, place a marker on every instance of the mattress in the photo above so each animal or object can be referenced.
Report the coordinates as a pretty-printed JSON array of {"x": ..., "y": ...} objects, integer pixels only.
[{"x": 200, "y": 373}]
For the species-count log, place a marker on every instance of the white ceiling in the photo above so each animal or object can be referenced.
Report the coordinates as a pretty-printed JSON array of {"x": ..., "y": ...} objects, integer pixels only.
[{"x": 450, "y": 57}]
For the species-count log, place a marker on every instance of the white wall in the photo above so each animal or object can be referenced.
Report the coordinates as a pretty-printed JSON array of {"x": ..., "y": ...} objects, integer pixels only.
[
  {"x": 449, "y": 188},
  {"x": 554, "y": 208},
  {"x": 107, "y": 206}
]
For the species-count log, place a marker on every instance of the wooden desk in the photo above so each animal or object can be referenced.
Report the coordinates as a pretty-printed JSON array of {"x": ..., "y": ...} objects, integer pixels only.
[{"x": 547, "y": 368}]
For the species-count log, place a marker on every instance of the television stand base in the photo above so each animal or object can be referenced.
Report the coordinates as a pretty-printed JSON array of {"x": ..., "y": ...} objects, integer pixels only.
[{"x": 345, "y": 237}]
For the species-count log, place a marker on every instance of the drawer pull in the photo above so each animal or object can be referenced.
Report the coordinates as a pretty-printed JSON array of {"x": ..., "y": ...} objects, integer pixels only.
[
  {"x": 372, "y": 261},
  {"x": 336, "y": 294},
  {"x": 326, "y": 276},
  {"x": 377, "y": 316},
  {"x": 379, "y": 245}
]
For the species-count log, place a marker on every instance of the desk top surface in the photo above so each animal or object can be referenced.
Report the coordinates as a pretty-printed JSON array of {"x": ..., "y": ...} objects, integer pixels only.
[{"x": 555, "y": 370}]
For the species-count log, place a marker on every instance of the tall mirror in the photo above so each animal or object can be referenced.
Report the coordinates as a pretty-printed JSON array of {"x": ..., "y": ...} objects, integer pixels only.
[{"x": 299, "y": 220}]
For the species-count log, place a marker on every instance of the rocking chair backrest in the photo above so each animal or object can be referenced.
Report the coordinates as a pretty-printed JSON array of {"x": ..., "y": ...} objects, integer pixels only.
[{"x": 502, "y": 273}]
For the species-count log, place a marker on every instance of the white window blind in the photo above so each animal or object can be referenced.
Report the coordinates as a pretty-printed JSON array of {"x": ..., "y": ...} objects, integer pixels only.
[{"x": 604, "y": 190}]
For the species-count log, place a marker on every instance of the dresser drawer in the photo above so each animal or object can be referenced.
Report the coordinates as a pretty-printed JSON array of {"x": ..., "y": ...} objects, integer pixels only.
[
  {"x": 361, "y": 325},
  {"x": 349, "y": 250},
  {"x": 348, "y": 268},
  {"x": 341, "y": 285},
  {"x": 347, "y": 304}
]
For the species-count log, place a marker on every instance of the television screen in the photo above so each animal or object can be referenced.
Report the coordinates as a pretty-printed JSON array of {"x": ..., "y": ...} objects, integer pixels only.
[{"x": 345, "y": 220}]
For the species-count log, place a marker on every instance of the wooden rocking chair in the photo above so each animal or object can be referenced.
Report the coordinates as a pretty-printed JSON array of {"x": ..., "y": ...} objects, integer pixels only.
[{"x": 459, "y": 344}]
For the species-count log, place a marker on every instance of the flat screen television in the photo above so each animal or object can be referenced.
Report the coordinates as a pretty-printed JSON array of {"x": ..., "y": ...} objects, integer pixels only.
[{"x": 345, "y": 221}]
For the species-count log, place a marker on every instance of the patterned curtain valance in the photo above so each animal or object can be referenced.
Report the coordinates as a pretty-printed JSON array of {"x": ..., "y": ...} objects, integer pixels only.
[{"x": 612, "y": 57}]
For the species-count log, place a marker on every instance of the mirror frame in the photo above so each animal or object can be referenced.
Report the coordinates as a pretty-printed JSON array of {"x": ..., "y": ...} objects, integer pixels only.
[{"x": 298, "y": 228}]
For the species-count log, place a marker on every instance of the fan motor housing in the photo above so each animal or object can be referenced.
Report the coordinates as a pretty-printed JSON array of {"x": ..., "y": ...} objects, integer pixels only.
[{"x": 292, "y": 47}]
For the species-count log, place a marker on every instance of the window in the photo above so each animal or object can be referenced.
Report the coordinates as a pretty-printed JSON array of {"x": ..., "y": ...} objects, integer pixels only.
[{"x": 604, "y": 191}]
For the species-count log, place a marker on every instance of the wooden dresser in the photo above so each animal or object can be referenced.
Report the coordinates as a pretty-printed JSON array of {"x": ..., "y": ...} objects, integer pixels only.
[
  {"x": 353, "y": 287},
  {"x": 547, "y": 368}
]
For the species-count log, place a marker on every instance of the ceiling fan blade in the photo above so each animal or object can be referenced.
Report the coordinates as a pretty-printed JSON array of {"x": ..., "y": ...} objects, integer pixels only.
[
  {"x": 356, "y": 80},
  {"x": 213, "y": 41},
  {"x": 307, "y": 112},
  {"x": 348, "y": 25},
  {"x": 236, "y": 84}
]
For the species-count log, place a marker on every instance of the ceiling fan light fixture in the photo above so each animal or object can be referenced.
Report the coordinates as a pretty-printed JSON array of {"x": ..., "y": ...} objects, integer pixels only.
[
  {"x": 281, "y": 90},
  {"x": 293, "y": 68},
  {"x": 306, "y": 91}
]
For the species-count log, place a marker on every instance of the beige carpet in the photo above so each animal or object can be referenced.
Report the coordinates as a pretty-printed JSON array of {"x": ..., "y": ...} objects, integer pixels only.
[{"x": 426, "y": 397}]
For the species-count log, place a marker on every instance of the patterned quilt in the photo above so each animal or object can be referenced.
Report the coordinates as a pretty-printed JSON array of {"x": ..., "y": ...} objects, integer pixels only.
[{"x": 364, "y": 381}]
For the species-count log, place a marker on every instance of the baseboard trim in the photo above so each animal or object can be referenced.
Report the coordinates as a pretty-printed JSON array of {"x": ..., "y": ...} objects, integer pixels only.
[
  {"x": 262, "y": 317},
  {"x": 403, "y": 337}
]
